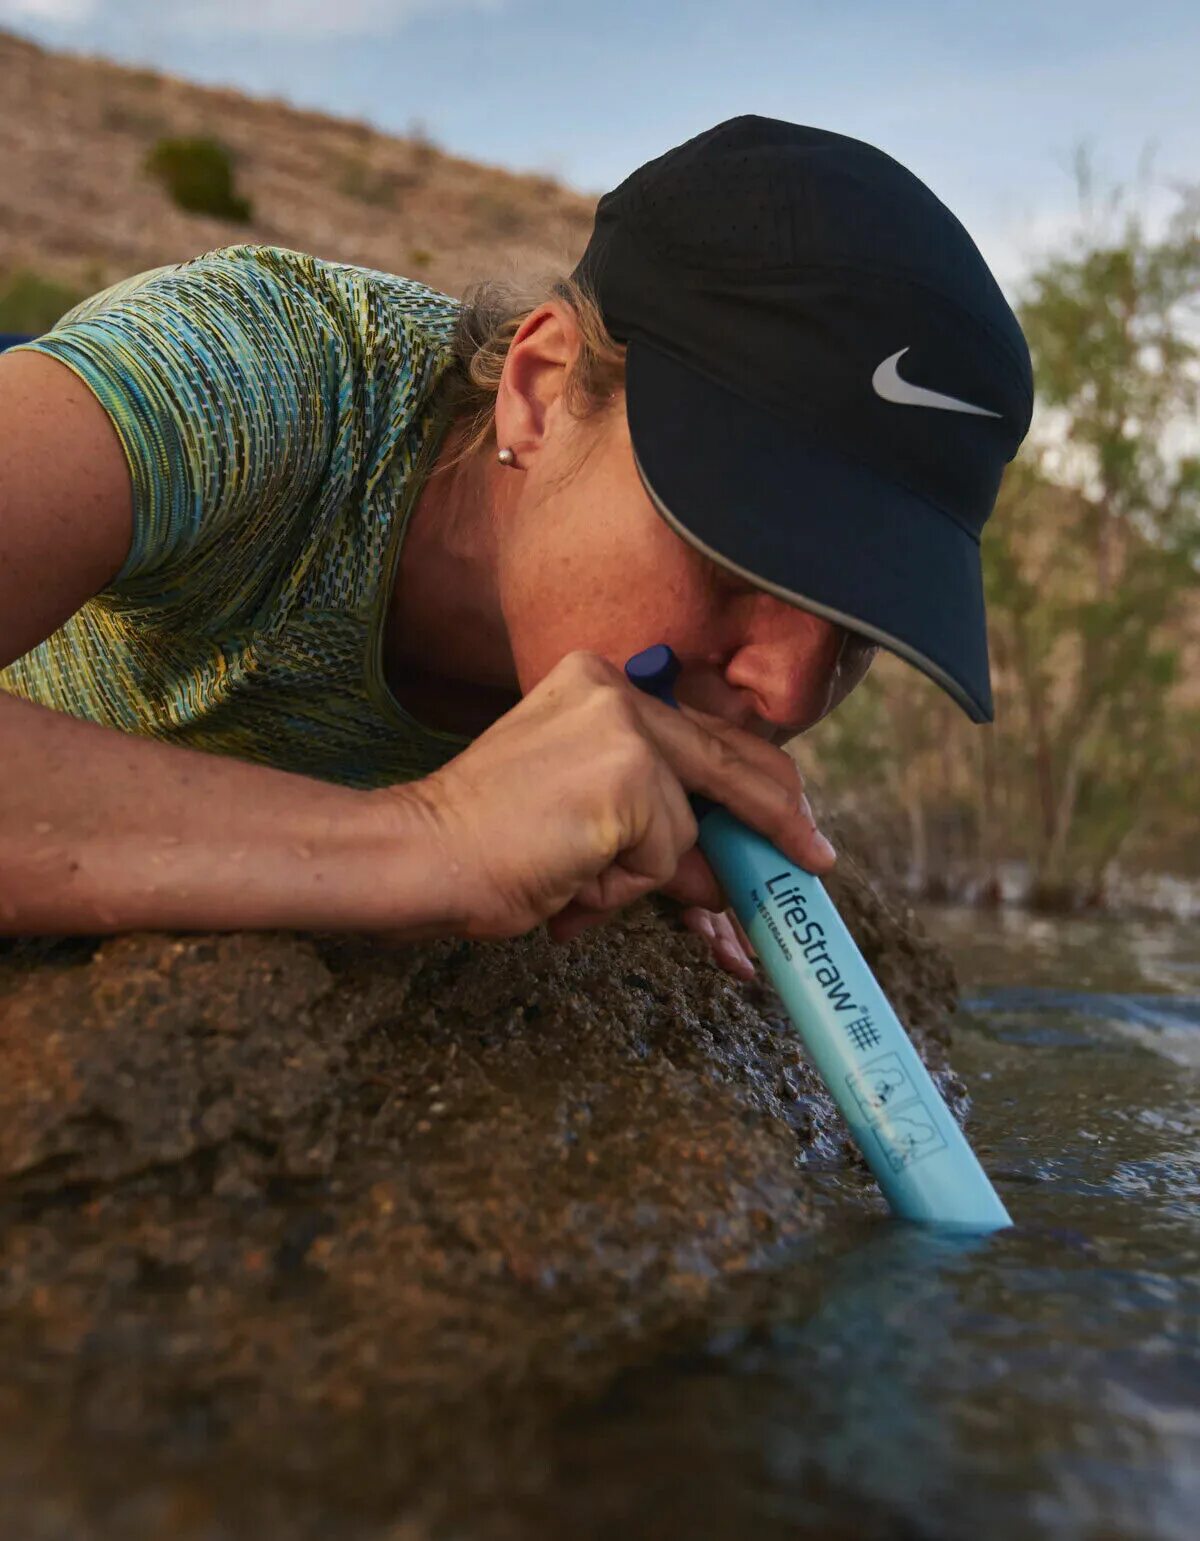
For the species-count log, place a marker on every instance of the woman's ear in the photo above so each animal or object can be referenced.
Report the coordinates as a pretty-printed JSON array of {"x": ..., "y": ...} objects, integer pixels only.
[{"x": 533, "y": 386}]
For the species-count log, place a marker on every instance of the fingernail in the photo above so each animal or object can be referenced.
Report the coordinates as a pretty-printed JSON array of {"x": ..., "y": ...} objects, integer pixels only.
[
  {"x": 736, "y": 956},
  {"x": 823, "y": 847}
]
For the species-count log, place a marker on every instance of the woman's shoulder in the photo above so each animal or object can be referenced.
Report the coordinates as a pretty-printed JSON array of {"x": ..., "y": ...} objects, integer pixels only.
[
  {"x": 367, "y": 294},
  {"x": 424, "y": 308},
  {"x": 115, "y": 293},
  {"x": 368, "y": 299}
]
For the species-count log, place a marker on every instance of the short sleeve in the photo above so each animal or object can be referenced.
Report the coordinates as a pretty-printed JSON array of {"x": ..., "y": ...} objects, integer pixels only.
[{"x": 228, "y": 379}]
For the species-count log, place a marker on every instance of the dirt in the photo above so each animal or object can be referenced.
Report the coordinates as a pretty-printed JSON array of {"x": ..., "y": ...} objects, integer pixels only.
[{"x": 306, "y": 1236}]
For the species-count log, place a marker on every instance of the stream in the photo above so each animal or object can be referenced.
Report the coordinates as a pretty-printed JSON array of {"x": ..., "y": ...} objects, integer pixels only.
[{"x": 887, "y": 1382}]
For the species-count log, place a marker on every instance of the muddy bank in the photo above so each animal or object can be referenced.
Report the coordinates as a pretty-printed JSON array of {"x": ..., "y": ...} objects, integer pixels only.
[{"x": 306, "y": 1237}]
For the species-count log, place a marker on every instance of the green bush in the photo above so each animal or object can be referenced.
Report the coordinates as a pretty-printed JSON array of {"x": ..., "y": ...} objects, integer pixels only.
[
  {"x": 30, "y": 303},
  {"x": 198, "y": 173}
]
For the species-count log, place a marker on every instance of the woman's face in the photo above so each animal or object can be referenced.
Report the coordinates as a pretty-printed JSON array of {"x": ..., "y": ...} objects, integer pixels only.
[{"x": 585, "y": 561}]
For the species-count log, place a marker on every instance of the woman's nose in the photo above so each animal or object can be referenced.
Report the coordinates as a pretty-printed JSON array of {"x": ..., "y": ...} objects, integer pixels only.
[{"x": 790, "y": 673}]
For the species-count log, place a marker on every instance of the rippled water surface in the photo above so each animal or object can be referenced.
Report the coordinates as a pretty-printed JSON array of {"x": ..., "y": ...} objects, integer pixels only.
[{"x": 1045, "y": 1382}]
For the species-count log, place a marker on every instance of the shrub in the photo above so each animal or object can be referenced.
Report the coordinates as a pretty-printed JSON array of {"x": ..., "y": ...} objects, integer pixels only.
[
  {"x": 198, "y": 174},
  {"x": 30, "y": 303}
]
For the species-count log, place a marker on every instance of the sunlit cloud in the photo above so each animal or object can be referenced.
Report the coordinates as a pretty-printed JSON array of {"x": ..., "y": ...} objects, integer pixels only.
[
  {"x": 62, "y": 11},
  {"x": 298, "y": 19}
]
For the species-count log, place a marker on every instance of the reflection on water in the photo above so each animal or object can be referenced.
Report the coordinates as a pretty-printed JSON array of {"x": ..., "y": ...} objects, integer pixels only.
[
  {"x": 1043, "y": 1382},
  {"x": 1166, "y": 1026}
]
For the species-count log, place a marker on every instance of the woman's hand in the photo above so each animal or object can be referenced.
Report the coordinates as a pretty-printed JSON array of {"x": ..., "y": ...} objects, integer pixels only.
[{"x": 574, "y": 804}]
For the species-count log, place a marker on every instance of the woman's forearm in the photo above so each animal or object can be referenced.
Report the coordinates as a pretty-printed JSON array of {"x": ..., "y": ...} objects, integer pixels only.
[{"x": 102, "y": 831}]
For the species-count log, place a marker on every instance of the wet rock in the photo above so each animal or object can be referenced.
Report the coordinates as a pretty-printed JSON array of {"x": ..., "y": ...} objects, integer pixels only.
[{"x": 312, "y": 1236}]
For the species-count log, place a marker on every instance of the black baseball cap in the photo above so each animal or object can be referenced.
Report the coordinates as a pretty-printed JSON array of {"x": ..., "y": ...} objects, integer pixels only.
[{"x": 823, "y": 380}]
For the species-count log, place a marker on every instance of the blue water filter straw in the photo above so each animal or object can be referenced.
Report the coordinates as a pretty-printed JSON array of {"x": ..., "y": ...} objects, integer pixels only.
[{"x": 911, "y": 1142}]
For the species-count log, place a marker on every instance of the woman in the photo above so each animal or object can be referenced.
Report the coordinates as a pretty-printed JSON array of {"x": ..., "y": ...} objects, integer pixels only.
[{"x": 316, "y": 585}]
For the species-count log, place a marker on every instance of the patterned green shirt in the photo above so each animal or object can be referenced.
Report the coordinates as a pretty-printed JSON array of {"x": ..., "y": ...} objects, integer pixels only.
[{"x": 277, "y": 414}]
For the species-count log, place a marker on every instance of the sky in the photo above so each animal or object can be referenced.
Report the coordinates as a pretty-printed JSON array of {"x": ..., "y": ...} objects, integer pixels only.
[{"x": 988, "y": 104}]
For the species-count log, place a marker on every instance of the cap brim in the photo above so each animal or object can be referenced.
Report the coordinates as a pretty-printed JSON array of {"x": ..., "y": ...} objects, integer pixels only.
[{"x": 810, "y": 525}]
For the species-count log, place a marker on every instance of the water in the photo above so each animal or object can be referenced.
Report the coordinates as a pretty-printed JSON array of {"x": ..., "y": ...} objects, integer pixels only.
[{"x": 1044, "y": 1382}]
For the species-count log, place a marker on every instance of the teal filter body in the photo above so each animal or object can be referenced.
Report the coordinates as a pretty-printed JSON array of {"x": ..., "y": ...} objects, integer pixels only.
[
  {"x": 923, "y": 1163},
  {"x": 925, "y": 1167}
]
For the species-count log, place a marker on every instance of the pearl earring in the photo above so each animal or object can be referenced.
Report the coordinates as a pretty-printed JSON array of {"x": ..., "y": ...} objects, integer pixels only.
[{"x": 506, "y": 457}]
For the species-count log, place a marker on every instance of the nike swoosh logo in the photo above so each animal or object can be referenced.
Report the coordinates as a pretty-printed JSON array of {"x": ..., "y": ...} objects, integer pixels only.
[{"x": 888, "y": 384}]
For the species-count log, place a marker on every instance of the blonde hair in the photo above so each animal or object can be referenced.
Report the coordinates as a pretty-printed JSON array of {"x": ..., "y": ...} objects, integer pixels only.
[{"x": 492, "y": 314}]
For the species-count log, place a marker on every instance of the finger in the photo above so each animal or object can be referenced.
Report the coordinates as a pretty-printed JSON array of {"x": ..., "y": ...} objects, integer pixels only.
[
  {"x": 758, "y": 782},
  {"x": 574, "y": 919},
  {"x": 722, "y": 943},
  {"x": 762, "y": 753},
  {"x": 815, "y": 852},
  {"x": 747, "y": 945},
  {"x": 698, "y": 920},
  {"x": 702, "y": 922},
  {"x": 668, "y": 831},
  {"x": 728, "y": 948},
  {"x": 756, "y": 752},
  {"x": 695, "y": 883}
]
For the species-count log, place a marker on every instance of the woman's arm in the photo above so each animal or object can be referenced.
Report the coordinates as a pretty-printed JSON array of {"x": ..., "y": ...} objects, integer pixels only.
[
  {"x": 102, "y": 831},
  {"x": 66, "y": 499}
]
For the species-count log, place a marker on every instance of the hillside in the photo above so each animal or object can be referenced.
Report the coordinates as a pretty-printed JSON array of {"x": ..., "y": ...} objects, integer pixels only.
[{"x": 78, "y": 210}]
